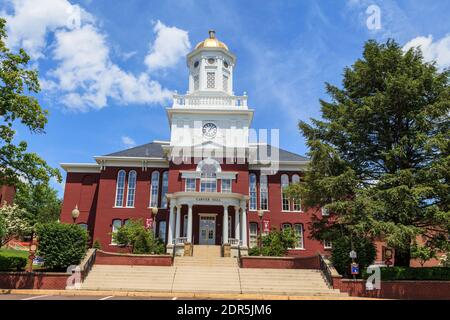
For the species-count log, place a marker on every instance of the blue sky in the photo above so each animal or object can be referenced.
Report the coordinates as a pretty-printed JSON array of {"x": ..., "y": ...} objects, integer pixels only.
[{"x": 108, "y": 67}]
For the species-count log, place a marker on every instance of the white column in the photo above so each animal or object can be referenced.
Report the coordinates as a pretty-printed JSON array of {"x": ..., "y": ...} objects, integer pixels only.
[
  {"x": 189, "y": 227},
  {"x": 225, "y": 224},
  {"x": 236, "y": 223},
  {"x": 244, "y": 227},
  {"x": 178, "y": 225},
  {"x": 171, "y": 225}
]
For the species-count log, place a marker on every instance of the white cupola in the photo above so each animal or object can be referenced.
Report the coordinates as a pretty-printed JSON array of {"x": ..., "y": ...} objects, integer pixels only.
[{"x": 211, "y": 67}]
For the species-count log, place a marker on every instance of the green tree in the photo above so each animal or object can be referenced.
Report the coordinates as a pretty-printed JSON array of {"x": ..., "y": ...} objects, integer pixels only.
[
  {"x": 422, "y": 253},
  {"x": 380, "y": 157},
  {"x": 13, "y": 223},
  {"x": 18, "y": 84},
  {"x": 40, "y": 201}
]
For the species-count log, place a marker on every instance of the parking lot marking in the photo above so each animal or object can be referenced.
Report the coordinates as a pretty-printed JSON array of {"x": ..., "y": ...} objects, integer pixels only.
[
  {"x": 174, "y": 298},
  {"x": 35, "y": 297},
  {"x": 106, "y": 298}
]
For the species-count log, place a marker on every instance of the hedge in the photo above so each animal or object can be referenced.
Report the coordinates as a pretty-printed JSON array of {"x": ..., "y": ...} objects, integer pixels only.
[
  {"x": 12, "y": 263},
  {"x": 404, "y": 273},
  {"x": 61, "y": 245}
]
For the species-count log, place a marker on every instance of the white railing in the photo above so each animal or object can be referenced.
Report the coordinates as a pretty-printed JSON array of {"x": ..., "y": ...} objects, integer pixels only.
[
  {"x": 234, "y": 242},
  {"x": 191, "y": 100},
  {"x": 181, "y": 240}
]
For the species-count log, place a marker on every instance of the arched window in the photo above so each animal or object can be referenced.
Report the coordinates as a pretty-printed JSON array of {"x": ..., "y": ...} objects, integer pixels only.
[
  {"x": 297, "y": 204},
  {"x": 120, "y": 188},
  {"x": 284, "y": 199},
  {"x": 263, "y": 193},
  {"x": 208, "y": 178},
  {"x": 154, "y": 189},
  {"x": 116, "y": 224},
  {"x": 298, "y": 229},
  {"x": 131, "y": 190},
  {"x": 165, "y": 188},
  {"x": 252, "y": 191}
]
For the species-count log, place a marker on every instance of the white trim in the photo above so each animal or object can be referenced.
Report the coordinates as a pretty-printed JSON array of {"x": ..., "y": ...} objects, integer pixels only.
[
  {"x": 81, "y": 167},
  {"x": 207, "y": 214}
]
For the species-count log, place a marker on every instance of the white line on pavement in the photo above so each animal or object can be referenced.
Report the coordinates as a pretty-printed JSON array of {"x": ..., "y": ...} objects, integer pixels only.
[
  {"x": 174, "y": 298},
  {"x": 35, "y": 297},
  {"x": 106, "y": 298}
]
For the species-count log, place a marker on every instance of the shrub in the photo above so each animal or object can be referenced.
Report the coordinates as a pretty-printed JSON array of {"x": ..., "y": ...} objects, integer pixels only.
[
  {"x": 61, "y": 245},
  {"x": 141, "y": 240},
  {"x": 341, "y": 260},
  {"x": 406, "y": 273},
  {"x": 276, "y": 243},
  {"x": 422, "y": 253},
  {"x": 12, "y": 263}
]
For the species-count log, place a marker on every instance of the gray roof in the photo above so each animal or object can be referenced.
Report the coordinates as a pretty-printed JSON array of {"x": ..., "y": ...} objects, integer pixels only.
[
  {"x": 151, "y": 150},
  {"x": 154, "y": 150}
]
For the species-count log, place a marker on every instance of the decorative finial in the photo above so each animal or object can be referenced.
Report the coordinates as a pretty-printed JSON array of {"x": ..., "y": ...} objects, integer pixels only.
[{"x": 212, "y": 34}]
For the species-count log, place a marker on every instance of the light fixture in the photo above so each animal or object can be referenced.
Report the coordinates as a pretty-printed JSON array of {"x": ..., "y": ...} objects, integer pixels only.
[{"x": 75, "y": 213}]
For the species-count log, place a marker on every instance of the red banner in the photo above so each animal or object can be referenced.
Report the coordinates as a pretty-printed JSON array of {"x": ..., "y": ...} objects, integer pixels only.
[{"x": 149, "y": 223}]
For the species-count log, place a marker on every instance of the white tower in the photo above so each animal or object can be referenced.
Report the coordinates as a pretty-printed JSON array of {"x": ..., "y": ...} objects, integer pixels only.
[{"x": 210, "y": 116}]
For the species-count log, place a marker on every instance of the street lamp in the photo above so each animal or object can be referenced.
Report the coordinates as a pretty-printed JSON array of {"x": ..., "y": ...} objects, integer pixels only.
[
  {"x": 75, "y": 213},
  {"x": 260, "y": 215},
  {"x": 154, "y": 212}
]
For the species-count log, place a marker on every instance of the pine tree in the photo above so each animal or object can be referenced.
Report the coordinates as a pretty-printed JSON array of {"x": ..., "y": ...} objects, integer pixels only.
[{"x": 380, "y": 156}]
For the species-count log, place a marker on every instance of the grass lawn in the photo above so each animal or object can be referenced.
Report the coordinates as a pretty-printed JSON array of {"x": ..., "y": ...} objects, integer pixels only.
[{"x": 12, "y": 252}]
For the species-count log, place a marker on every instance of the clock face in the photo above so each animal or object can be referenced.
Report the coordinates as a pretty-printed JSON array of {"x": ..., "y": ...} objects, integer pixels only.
[{"x": 209, "y": 130}]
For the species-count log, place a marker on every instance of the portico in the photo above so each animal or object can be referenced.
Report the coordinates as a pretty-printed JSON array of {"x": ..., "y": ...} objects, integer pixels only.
[{"x": 210, "y": 219}]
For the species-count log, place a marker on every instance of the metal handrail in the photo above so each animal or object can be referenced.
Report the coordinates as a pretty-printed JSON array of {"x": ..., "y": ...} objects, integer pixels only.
[{"x": 325, "y": 268}]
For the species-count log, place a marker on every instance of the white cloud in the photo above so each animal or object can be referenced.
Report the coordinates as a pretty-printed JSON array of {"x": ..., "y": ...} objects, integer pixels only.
[
  {"x": 128, "y": 142},
  {"x": 84, "y": 76},
  {"x": 30, "y": 23},
  {"x": 170, "y": 46},
  {"x": 438, "y": 51}
]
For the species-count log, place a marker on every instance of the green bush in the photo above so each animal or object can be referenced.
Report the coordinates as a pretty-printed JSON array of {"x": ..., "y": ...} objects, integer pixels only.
[
  {"x": 12, "y": 263},
  {"x": 276, "y": 243},
  {"x": 341, "y": 260},
  {"x": 141, "y": 240},
  {"x": 61, "y": 245},
  {"x": 404, "y": 273}
]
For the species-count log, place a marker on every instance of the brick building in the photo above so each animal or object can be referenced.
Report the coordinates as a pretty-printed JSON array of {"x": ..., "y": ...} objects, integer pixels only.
[{"x": 209, "y": 181}]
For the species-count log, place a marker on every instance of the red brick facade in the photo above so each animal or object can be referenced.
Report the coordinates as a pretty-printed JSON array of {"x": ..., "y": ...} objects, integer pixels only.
[
  {"x": 94, "y": 194},
  {"x": 7, "y": 194}
]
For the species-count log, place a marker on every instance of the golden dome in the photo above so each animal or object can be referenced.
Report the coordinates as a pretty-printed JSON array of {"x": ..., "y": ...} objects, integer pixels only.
[{"x": 211, "y": 42}]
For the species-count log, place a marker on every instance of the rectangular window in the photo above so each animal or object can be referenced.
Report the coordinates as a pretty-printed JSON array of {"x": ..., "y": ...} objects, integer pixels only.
[
  {"x": 226, "y": 186},
  {"x": 298, "y": 229},
  {"x": 325, "y": 211},
  {"x": 210, "y": 80},
  {"x": 263, "y": 193},
  {"x": 116, "y": 224},
  {"x": 190, "y": 185},
  {"x": 252, "y": 192},
  {"x": 327, "y": 244},
  {"x": 162, "y": 230},
  {"x": 297, "y": 206},
  {"x": 208, "y": 185},
  {"x": 253, "y": 234}
]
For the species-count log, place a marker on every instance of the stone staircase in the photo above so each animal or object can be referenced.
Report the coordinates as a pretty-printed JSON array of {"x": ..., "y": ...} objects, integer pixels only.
[{"x": 206, "y": 271}]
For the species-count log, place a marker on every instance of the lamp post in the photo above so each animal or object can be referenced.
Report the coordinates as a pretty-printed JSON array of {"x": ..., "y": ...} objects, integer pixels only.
[
  {"x": 260, "y": 215},
  {"x": 154, "y": 212},
  {"x": 75, "y": 213}
]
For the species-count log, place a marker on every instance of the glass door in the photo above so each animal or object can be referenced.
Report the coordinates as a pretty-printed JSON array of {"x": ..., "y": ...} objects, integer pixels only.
[{"x": 207, "y": 230}]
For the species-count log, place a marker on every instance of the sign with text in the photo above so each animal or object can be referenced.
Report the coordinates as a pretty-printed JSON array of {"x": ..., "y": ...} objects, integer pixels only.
[{"x": 355, "y": 268}]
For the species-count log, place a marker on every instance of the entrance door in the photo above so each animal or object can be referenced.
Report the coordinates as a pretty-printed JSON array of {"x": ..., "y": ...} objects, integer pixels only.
[{"x": 207, "y": 230}]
